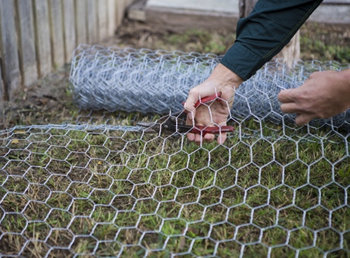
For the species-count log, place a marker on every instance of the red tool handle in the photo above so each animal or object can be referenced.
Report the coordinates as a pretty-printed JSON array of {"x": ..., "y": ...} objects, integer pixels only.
[
  {"x": 199, "y": 129},
  {"x": 207, "y": 99}
]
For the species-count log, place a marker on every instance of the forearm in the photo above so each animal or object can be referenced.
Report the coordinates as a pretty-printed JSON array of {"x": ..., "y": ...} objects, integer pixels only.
[{"x": 264, "y": 33}]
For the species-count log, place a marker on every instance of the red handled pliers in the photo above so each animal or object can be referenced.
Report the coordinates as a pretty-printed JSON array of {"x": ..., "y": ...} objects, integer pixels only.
[{"x": 176, "y": 122}]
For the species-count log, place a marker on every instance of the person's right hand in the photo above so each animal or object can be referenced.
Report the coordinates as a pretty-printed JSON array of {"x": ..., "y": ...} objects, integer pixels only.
[{"x": 215, "y": 114}]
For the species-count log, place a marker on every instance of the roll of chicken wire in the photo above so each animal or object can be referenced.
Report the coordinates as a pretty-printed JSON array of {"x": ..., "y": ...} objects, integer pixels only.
[{"x": 156, "y": 81}]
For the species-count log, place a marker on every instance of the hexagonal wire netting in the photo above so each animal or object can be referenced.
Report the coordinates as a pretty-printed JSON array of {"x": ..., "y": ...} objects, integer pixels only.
[{"x": 101, "y": 190}]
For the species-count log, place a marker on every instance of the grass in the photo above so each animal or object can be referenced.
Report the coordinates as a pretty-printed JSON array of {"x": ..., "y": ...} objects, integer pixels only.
[
  {"x": 81, "y": 192},
  {"x": 111, "y": 193}
]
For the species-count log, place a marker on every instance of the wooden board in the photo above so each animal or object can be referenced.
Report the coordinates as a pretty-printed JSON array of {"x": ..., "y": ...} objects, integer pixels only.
[
  {"x": 56, "y": 25},
  {"x": 26, "y": 39},
  {"x": 42, "y": 36},
  {"x": 2, "y": 92},
  {"x": 221, "y": 6},
  {"x": 103, "y": 19},
  {"x": 92, "y": 23},
  {"x": 112, "y": 13},
  {"x": 81, "y": 30},
  {"x": 120, "y": 11},
  {"x": 9, "y": 49},
  {"x": 181, "y": 20},
  {"x": 68, "y": 29},
  {"x": 137, "y": 11}
]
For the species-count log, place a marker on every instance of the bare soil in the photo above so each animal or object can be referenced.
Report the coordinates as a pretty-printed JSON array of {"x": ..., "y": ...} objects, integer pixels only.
[{"x": 49, "y": 101}]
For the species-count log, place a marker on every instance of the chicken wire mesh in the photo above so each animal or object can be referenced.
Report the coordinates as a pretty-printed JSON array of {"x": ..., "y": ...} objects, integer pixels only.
[
  {"x": 105, "y": 190},
  {"x": 150, "y": 81}
]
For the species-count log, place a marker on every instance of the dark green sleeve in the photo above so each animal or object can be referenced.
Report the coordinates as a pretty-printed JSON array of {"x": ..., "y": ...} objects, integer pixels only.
[{"x": 261, "y": 35}]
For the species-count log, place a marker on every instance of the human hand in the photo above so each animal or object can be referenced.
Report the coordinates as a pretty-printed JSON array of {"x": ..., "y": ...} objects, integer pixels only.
[
  {"x": 323, "y": 95},
  {"x": 214, "y": 114}
]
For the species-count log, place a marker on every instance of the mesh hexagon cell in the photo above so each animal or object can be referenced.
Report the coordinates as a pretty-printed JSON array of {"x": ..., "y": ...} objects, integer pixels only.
[{"x": 100, "y": 190}]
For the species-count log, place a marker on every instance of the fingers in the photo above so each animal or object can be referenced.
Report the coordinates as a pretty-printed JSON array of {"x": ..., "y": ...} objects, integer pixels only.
[
  {"x": 198, "y": 138},
  {"x": 289, "y": 105},
  {"x": 290, "y": 108},
  {"x": 222, "y": 138},
  {"x": 303, "y": 119},
  {"x": 286, "y": 96}
]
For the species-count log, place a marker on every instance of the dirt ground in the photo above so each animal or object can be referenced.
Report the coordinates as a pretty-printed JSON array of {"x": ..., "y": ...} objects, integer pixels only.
[{"x": 50, "y": 101}]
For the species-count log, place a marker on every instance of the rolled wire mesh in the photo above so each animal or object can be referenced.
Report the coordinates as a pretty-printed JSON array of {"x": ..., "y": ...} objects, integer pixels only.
[
  {"x": 109, "y": 190},
  {"x": 158, "y": 81}
]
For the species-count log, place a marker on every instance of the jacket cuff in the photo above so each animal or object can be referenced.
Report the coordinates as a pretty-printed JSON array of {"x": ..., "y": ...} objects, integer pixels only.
[{"x": 242, "y": 61}]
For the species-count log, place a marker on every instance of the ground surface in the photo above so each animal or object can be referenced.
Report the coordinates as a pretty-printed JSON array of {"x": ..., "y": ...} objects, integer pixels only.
[
  {"x": 49, "y": 101},
  {"x": 67, "y": 192}
]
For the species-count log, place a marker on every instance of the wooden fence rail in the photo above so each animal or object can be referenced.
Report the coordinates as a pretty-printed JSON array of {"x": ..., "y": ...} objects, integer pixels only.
[{"x": 39, "y": 36}]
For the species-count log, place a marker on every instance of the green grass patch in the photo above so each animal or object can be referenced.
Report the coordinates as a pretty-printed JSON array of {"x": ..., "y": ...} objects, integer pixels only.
[{"x": 111, "y": 193}]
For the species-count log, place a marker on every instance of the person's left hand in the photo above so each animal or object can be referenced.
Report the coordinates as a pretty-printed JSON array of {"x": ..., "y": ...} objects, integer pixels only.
[
  {"x": 214, "y": 114},
  {"x": 323, "y": 95}
]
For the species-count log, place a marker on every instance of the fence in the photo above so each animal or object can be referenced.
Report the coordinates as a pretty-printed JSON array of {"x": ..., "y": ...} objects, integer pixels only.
[
  {"x": 102, "y": 187},
  {"x": 38, "y": 36}
]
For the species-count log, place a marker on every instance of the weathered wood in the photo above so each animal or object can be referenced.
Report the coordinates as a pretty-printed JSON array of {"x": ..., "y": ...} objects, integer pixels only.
[
  {"x": 56, "y": 25},
  {"x": 9, "y": 49},
  {"x": 26, "y": 39},
  {"x": 112, "y": 12},
  {"x": 42, "y": 36},
  {"x": 81, "y": 28},
  {"x": 2, "y": 92},
  {"x": 68, "y": 29},
  {"x": 180, "y": 20},
  {"x": 291, "y": 51},
  {"x": 137, "y": 11},
  {"x": 102, "y": 19},
  {"x": 92, "y": 23},
  {"x": 120, "y": 11},
  {"x": 245, "y": 7}
]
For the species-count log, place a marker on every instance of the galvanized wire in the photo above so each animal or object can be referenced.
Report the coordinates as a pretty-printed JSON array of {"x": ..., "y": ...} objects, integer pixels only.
[
  {"x": 158, "y": 81},
  {"x": 109, "y": 190}
]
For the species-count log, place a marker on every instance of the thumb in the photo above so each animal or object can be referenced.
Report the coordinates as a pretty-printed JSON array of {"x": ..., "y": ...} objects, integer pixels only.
[{"x": 189, "y": 105}]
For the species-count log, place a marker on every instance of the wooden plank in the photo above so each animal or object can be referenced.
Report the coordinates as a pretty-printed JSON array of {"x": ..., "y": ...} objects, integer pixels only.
[
  {"x": 69, "y": 29},
  {"x": 81, "y": 30},
  {"x": 92, "y": 22},
  {"x": 9, "y": 49},
  {"x": 180, "y": 20},
  {"x": 42, "y": 36},
  {"x": 102, "y": 19},
  {"x": 26, "y": 39},
  {"x": 137, "y": 11},
  {"x": 56, "y": 25},
  {"x": 120, "y": 11},
  {"x": 112, "y": 12},
  {"x": 2, "y": 92},
  {"x": 222, "y": 6}
]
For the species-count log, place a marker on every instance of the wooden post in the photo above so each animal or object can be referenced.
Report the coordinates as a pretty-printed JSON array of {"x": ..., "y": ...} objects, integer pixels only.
[
  {"x": 68, "y": 29},
  {"x": 26, "y": 38},
  {"x": 42, "y": 36},
  {"x": 56, "y": 25},
  {"x": 9, "y": 49},
  {"x": 92, "y": 22},
  {"x": 80, "y": 14},
  {"x": 291, "y": 51}
]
